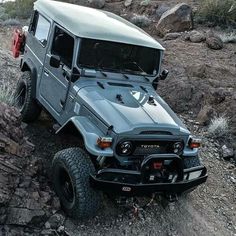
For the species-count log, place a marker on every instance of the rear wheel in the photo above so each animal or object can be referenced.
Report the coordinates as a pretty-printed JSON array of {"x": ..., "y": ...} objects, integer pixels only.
[
  {"x": 24, "y": 99},
  {"x": 71, "y": 170}
]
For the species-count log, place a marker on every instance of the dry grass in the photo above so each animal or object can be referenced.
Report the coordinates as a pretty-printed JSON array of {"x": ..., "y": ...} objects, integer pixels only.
[
  {"x": 218, "y": 12},
  {"x": 228, "y": 37},
  {"x": 6, "y": 94},
  {"x": 219, "y": 127}
]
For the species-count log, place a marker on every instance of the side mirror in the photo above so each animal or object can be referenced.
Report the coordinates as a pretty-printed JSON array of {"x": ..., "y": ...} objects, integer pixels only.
[
  {"x": 55, "y": 61},
  {"x": 75, "y": 75},
  {"x": 163, "y": 74}
]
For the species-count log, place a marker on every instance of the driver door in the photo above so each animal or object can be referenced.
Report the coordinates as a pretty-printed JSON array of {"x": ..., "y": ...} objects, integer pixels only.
[{"x": 54, "y": 85}]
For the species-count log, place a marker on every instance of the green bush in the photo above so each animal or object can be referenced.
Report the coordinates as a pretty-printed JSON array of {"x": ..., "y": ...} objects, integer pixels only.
[
  {"x": 218, "y": 12},
  {"x": 19, "y": 8}
]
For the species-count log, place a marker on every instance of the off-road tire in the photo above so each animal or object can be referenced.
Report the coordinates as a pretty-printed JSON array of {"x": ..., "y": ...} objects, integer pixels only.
[
  {"x": 77, "y": 164},
  {"x": 28, "y": 106},
  {"x": 190, "y": 162}
]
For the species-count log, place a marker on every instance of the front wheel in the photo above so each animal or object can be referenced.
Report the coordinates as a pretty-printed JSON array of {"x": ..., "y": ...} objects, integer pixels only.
[
  {"x": 71, "y": 171},
  {"x": 24, "y": 99}
]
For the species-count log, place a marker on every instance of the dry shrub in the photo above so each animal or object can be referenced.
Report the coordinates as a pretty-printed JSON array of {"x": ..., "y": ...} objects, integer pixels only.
[
  {"x": 218, "y": 12},
  {"x": 19, "y": 8},
  {"x": 6, "y": 94},
  {"x": 219, "y": 127},
  {"x": 228, "y": 37}
]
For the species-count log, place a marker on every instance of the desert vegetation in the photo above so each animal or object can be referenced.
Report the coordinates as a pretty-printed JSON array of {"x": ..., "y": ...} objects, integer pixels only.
[
  {"x": 219, "y": 127},
  {"x": 218, "y": 12},
  {"x": 6, "y": 94},
  {"x": 17, "y": 9}
]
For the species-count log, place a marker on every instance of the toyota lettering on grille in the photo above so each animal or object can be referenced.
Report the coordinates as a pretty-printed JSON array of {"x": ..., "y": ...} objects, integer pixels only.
[{"x": 150, "y": 146}]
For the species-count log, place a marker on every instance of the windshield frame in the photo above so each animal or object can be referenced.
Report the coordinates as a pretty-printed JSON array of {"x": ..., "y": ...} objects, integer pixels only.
[{"x": 117, "y": 70}]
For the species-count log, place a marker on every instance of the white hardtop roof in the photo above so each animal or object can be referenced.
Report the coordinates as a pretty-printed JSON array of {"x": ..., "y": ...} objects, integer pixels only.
[{"x": 91, "y": 23}]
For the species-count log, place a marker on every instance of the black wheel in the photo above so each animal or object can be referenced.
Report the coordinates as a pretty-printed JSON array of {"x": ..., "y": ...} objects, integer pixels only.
[
  {"x": 190, "y": 162},
  {"x": 24, "y": 99},
  {"x": 71, "y": 169}
]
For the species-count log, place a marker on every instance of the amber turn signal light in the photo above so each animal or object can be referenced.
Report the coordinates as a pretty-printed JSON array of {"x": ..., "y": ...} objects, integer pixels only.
[
  {"x": 194, "y": 143},
  {"x": 104, "y": 142}
]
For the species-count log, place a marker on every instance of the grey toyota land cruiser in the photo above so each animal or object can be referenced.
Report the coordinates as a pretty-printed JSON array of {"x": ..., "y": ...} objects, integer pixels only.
[{"x": 97, "y": 73}]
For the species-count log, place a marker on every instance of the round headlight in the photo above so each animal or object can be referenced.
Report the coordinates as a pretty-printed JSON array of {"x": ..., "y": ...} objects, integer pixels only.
[
  {"x": 178, "y": 148},
  {"x": 125, "y": 148}
]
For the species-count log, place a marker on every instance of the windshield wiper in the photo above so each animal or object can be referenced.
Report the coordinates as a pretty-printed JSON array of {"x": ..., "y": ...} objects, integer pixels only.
[
  {"x": 102, "y": 72},
  {"x": 95, "y": 68}
]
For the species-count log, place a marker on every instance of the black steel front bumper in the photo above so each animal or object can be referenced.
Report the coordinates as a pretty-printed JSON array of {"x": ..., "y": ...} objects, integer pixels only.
[{"x": 185, "y": 179}]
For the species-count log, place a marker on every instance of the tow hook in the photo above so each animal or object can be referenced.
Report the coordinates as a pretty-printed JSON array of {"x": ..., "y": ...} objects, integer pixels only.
[{"x": 172, "y": 197}]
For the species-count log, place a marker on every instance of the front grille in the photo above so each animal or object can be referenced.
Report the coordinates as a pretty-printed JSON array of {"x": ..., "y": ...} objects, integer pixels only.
[
  {"x": 152, "y": 147},
  {"x": 147, "y": 147}
]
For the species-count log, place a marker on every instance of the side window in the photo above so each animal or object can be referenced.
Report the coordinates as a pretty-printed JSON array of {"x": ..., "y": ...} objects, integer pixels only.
[
  {"x": 40, "y": 27},
  {"x": 42, "y": 30},
  {"x": 63, "y": 46}
]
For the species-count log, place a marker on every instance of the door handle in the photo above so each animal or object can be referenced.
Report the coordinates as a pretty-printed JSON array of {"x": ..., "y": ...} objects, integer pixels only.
[{"x": 46, "y": 72}]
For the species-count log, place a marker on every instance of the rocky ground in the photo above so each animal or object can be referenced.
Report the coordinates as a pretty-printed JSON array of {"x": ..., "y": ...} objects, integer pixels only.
[{"x": 201, "y": 81}]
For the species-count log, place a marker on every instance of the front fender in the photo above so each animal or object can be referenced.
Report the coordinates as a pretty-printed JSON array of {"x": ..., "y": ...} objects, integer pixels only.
[{"x": 90, "y": 135}]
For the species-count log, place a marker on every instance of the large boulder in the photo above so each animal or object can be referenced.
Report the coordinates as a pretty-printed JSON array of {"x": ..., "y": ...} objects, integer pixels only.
[{"x": 177, "y": 19}]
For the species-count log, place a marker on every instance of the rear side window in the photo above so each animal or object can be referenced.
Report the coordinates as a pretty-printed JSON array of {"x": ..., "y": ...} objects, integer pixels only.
[{"x": 40, "y": 28}]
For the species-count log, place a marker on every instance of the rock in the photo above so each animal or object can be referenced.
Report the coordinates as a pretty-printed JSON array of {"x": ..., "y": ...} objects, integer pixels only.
[
  {"x": 128, "y": 3},
  {"x": 219, "y": 95},
  {"x": 196, "y": 70},
  {"x": 61, "y": 229},
  {"x": 55, "y": 221},
  {"x": 205, "y": 115},
  {"x": 177, "y": 19},
  {"x": 214, "y": 42},
  {"x": 171, "y": 36},
  {"x": 12, "y": 140},
  {"x": 227, "y": 153},
  {"x": 48, "y": 232},
  {"x": 45, "y": 197},
  {"x": 145, "y": 3},
  {"x": 23, "y": 216},
  {"x": 161, "y": 9},
  {"x": 97, "y": 3},
  {"x": 56, "y": 203},
  {"x": 140, "y": 20},
  {"x": 230, "y": 166},
  {"x": 196, "y": 37},
  {"x": 26, "y": 182},
  {"x": 233, "y": 180}
]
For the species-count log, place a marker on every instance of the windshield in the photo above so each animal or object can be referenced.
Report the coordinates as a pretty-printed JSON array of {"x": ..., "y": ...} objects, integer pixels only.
[{"x": 120, "y": 57}]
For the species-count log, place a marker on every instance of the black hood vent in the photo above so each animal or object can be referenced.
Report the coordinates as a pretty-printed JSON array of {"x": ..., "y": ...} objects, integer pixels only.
[{"x": 156, "y": 132}]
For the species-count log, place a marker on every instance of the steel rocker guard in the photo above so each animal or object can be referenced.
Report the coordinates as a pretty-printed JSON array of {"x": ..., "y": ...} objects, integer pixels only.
[{"x": 137, "y": 185}]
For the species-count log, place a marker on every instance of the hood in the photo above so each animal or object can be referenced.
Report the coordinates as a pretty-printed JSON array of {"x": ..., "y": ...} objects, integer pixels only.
[{"x": 131, "y": 108}]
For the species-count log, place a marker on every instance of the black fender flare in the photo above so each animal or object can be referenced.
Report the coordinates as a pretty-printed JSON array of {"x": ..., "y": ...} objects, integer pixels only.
[{"x": 28, "y": 65}]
